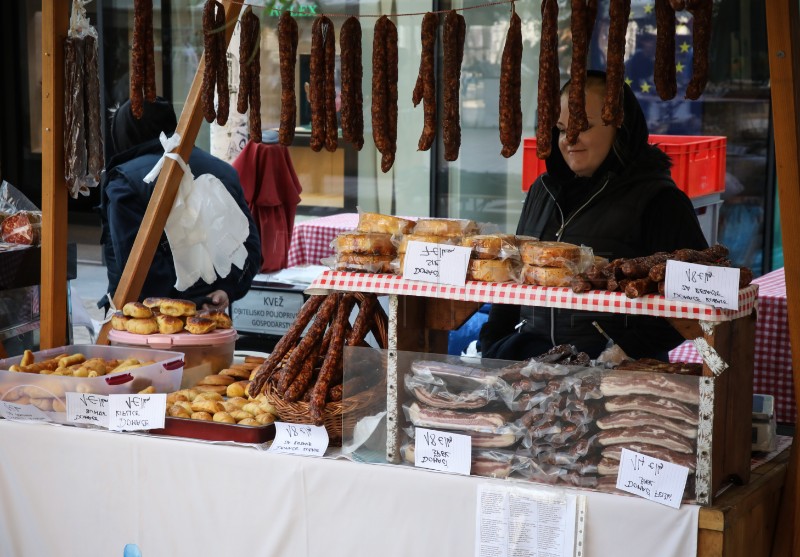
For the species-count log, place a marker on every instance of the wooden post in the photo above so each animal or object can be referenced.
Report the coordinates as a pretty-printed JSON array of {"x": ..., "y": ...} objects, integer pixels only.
[
  {"x": 783, "y": 22},
  {"x": 155, "y": 217},
  {"x": 55, "y": 23}
]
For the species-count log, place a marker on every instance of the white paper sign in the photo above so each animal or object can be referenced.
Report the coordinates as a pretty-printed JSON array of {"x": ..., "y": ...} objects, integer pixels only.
[
  {"x": 22, "y": 412},
  {"x": 715, "y": 286},
  {"x": 652, "y": 478},
  {"x": 437, "y": 263},
  {"x": 136, "y": 412},
  {"x": 443, "y": 451},
  {"x": 519, "y": 522},
  {"x": 301, "y": 439},
  {"x": 87, "y": 409}
]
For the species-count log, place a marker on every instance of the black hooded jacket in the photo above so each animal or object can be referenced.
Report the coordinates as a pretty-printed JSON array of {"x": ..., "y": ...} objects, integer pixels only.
[{"x": 630, "y": 207}]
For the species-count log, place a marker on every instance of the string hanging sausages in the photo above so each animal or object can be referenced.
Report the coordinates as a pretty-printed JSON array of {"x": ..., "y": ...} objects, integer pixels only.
[
  {"x": 384, "y": 90},
  {"x": 511, "y": 89},
  {"x": 701, "y": 10},
  {"x": 352, "y": 74},
  {"x": 453, "y": 37},
  {"x": 619, "y": 11},
  {"x": 664, "y": 71},
  {"x": 578, "y": 121},
  {"x": 549, "y": 102},
  {"x": 287, "y": 48},
  {"x": 425, "y": 89}
]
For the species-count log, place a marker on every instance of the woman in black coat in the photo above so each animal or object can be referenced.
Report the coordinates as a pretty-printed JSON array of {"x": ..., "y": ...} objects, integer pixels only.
[{"x": 610, "y": 191}]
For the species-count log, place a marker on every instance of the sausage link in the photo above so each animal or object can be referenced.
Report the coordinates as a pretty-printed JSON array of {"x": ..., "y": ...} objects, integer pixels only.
[
  {"x": 331, "y": 125},
  {"x": 639, "y": 287},
  {"x": 335, "y": 393},
  {"x": 639, "y": 267},
  {"x": 662, "y": 288},
  {"x": 548, "y": 79},
  {"x": 246, "y": 52},
  {"x": 664, "y": 72},
  {"x": 352, "y": 74},
  {"x": 511, "y": 89},
  {"x": 361, "y": 326},
  {"x": 380, "y": 89},
  {"x": 392, "y": 78},
  {"x": 209, "y": 60},
  {"x": 149, "y": 55},
  {"x": 578, "y": 121},
  {"x": 138, "y": 58},
  {"x": 701, "y": 10},
  {"x": 658, "y": 272},
  {"x": 94, "y": 133},
  {"x": 453, "y": 42},
  {"x": 254, "y": 89},
  {"x": 317, "y": 85},
  {"x": 619, "y": 12},
  {"x": 301, "y": 382},
  {"x": 287, "y": 47},
  {"x": 427, "y": 76},
  {"x": 223, "y": 90}
]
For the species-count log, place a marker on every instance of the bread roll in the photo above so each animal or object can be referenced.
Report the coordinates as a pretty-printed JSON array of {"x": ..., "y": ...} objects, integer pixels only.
[
  {"x": 252, "y": 422},
  {"x": 199, "y": 325},
  {"x": 210, "y": 406},
  {"x": 221, "y": 319},
  {"x": 153, "y": 303},
  {"x": 265, "y": 418},
  {"x": 237, "y": 389},
  {"x": 236, "y": 373},
  {"x": 176, "y": 411},
  {"x": 217, "y": 389},
  {"x": 118, "y": 321},
  {"x": 137, "y": 310},
  {"x": 550, "y": 254},
  {"x": 239, "y": 415},
  {"x": 386, "y": 224},
  {"x": 364, "y": 243},
  {"x": 142, "y": 326},
  {"x": 205, "y": 416},
  {"x": 223, "y": 417},
  {"x": 360, "y": 263},
  {"x": 207, "y": 395},
  {"x": 491, "y": 246},
  {"x": 547, "y": 276},
  {"x": 177, "y": 308},
  {"x": 217, "y": 380},
  {"x": 491, "y": 270},
  {"x": 168, "y": 324}
]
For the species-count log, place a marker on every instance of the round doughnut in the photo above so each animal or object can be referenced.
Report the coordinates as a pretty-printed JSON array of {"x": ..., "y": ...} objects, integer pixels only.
[
  {"x": 118, "y": 321},
  {"x": 177, "y": 308},
  {"x": 386, "y": 224},
  {"x": 168, "y": 325},
  {"x": 153, "y": 303},
  {"x": 137, "y": 310},
  {"x": 199, "y": 325},
  {"x": 365, "y": 243},
  {"x": 217, "y": 380},
  {"x": 142, "y": 326},
  {"x": 220, "y": 318}
]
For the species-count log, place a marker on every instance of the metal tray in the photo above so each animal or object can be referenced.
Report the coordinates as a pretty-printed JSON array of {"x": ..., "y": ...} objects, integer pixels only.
[{"x": 215, "y": 431}]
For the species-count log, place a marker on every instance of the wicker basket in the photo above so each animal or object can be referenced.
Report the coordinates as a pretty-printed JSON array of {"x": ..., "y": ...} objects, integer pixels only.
[{"x": 336, "y": 413}]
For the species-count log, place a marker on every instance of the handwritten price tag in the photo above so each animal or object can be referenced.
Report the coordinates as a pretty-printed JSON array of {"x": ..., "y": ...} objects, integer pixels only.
[
  {"x": 443, "y": 451},
  {"x": 715, "y": 286},
  {"x": 302, "y": 439},
  {"x": 87, "y": 409},
  {"x": 136, "y": 412},
  {"x": 437, "y": 263},
  {"x": 652, "y": 478},
  {"x": 22, "y": 412}
]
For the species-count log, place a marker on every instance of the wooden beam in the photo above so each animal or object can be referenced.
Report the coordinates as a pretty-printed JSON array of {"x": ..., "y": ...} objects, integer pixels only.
[
  {"x": 55, "y": 22},
  {"x": 783, "y": 22},
  {"x": 155, "y": 218}
]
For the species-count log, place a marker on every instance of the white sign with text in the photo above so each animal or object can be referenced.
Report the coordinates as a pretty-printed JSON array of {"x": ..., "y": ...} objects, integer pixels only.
[
  {"x": 22, "y": 412},
  {"x": 443, "y": 451},
  {"x": 300, "y": 439},
  {"x": 714, "y": 286},
  {"x": 89, "y": 409},
  {"x": 437, "y": 263},
  {"x": 652, "y": 478},
  {"x": 136, "y": 412}
]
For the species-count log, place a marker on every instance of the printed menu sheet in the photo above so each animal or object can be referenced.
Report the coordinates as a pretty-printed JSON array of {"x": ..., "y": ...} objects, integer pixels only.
[{"x": 522, "y": 522}]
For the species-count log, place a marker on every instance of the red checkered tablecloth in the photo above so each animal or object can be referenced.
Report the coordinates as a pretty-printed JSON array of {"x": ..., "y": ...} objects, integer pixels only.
[
  {"x": 772, "y": 373},
  {"x": 311, "y": 239}
]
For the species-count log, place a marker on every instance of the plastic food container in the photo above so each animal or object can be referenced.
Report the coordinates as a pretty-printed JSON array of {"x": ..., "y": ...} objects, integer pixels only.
[
  {"x": 32, "y": 388},
  {"x": 204, "y": 354}
]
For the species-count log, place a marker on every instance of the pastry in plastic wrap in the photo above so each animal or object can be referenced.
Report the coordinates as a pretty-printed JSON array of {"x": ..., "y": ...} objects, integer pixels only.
[
  {"x": 402, "y": 246},
  {"x": 386, "y": 224},
  {"x": 491, "y": 246},
  {"x": 491, "y": 270},
  {"x": 546, "y": 276},
  {"x": 364, "y": 263},
  {"x": 446, "y": 227},
  {"x": 364, "y": 243},
  {"x": 550, "y": 254}
]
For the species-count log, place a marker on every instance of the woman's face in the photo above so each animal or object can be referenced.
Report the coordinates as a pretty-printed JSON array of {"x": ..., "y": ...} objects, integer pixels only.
[{"x": 593, "y": 145}]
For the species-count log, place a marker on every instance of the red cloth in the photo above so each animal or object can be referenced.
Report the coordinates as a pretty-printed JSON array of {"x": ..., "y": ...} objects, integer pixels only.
[{"x": 272, "y": 192}]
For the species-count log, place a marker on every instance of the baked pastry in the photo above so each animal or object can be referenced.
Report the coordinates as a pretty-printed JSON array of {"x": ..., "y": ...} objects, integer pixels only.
[
  {"x": 550, "y": 254},
  {"x": 210, "y": 406},
  {"x": 252, "y": 422},
  {"x": 547, "y": 276},
  {"x": 236, "y": 373},
  {"x": 216, "y": 389},
  {"x": 224, "y": 418},
  {"x": 491, "y": 246},
  {"x": 365, "y": 243},
  {"x": 176, "y": 411},
  {"x": 237, "y": 389},
  {"x": 207, "y": 395},
  {"x": 146, "y": 326},
  {"x": 431, "y": 238},
  {"x": 521, "y": 239},
  {"x": 168, "y": 325},
  {"x": 137, "y": 310},
  {"x": 217, "y": 380},
  {"x": 177, "y": 308},
  {"x": 205, "y": 416},
  {"x": 153, "y": 303},
  {"x": 220, "y": 318},
  {"x": 385, "y": 224},
  {"x": 118, "y": 321},
  {"x": 361, "y": 263},
  {"x": 491, "y": 270},
  {"x": 446, "y": 227},
  {"x": 200, "y": 325}
]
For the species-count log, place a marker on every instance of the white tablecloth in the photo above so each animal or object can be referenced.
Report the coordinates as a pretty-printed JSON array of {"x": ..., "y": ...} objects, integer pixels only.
[{"x": 74, "y": 492}]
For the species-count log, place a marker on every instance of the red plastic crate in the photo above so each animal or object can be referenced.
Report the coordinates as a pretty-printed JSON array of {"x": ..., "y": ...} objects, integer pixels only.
[{"x": 698, "y": 162}]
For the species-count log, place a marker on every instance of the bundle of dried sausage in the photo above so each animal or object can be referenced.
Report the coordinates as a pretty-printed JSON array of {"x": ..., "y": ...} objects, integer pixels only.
[
  {"x": 511, "y": 89},
  {"x": 701, "y": 44},
  {"x": 352, "y": 73},
  {"x": 384, "y": 91},
  {"x": 453, "y": 37},
  {"x": 619, "y": 12},
  {"x": 664, "y": 74},
  {"x": 74, "y": 131},
  {"x": 549, "y": 74},
  {"x": 578, "y": 121},
  {"x": 425, "y": 89},
  {"x": 94, "y": 134},
  {"x": 287, "y": 47}
]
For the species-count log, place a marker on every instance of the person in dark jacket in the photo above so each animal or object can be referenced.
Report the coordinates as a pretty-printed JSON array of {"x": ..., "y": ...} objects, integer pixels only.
[
  {"x": 135, "y": 150},
  {"x": 610, "y": 191}
]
